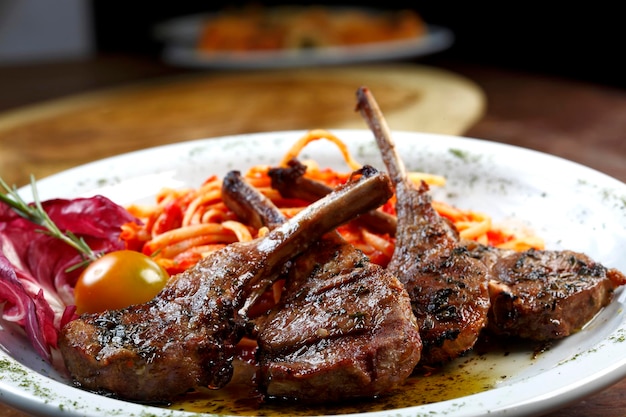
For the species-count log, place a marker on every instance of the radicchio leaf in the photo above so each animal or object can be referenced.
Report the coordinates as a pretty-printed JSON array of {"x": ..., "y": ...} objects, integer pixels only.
[{"x": 35, "y": 286}]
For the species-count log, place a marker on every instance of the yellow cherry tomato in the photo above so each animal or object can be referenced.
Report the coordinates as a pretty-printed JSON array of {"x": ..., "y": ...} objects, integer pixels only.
[{"x": 117, "y": 280}]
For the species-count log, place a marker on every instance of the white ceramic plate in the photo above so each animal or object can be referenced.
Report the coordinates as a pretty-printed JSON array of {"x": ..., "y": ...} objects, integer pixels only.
[
  {"x": 570, "y": 205},
  {"x": 180, "y": 35}
]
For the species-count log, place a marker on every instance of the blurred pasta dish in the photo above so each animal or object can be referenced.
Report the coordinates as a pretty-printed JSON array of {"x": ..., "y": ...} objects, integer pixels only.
[{"x": 297, "y": 28}]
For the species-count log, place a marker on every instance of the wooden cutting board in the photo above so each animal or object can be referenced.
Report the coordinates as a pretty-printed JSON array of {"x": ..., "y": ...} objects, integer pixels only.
[{"x": 53, "y": 136}]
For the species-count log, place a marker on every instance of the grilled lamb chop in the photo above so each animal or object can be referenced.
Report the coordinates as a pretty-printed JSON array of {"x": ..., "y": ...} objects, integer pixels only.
[
  {"x": 448, "y": 288},
  {"x": 544, "y": 295},
  {"x": 185, "y": 337},
  {"x": 343, "y": 327}
]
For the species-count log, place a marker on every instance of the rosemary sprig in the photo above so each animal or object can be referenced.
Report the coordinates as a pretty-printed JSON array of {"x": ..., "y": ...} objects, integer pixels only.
[{"x": 35, "y": 213}]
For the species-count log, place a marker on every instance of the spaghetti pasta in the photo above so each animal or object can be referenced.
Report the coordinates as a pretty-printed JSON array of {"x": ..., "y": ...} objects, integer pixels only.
[{"x": 185, "y": 225}]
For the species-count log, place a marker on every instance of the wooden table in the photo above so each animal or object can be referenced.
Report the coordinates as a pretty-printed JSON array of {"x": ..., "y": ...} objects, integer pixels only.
[{"x": 581, "y": 122}]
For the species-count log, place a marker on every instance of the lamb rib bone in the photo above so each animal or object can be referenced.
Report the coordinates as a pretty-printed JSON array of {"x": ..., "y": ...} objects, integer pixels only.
[{"x": 291, "y": 183}]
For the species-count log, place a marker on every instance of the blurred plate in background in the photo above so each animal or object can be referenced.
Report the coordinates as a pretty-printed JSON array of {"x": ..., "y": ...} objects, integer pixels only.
[{"x": 181, "y": 39}]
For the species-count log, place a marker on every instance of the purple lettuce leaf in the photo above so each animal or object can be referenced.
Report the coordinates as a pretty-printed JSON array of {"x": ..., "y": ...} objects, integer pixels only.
[{"x": 35, "y": 285}]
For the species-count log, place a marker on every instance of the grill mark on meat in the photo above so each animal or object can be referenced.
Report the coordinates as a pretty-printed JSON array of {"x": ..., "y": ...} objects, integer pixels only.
[
  {"x": 448, "y": 288},
  {"x": 349, "y": 342},
  {"x": 544, "y": 294},
  {"x": 343, "y": 328},
  {"x": 185, "y": 337}
]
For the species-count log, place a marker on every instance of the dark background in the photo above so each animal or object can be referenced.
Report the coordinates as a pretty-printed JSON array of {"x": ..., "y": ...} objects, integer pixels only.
[{"x": 582, "y": 41}]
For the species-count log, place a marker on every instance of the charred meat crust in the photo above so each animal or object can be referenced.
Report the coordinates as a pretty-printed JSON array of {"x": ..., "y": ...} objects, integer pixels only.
[{"x": 344, "y": 330}]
